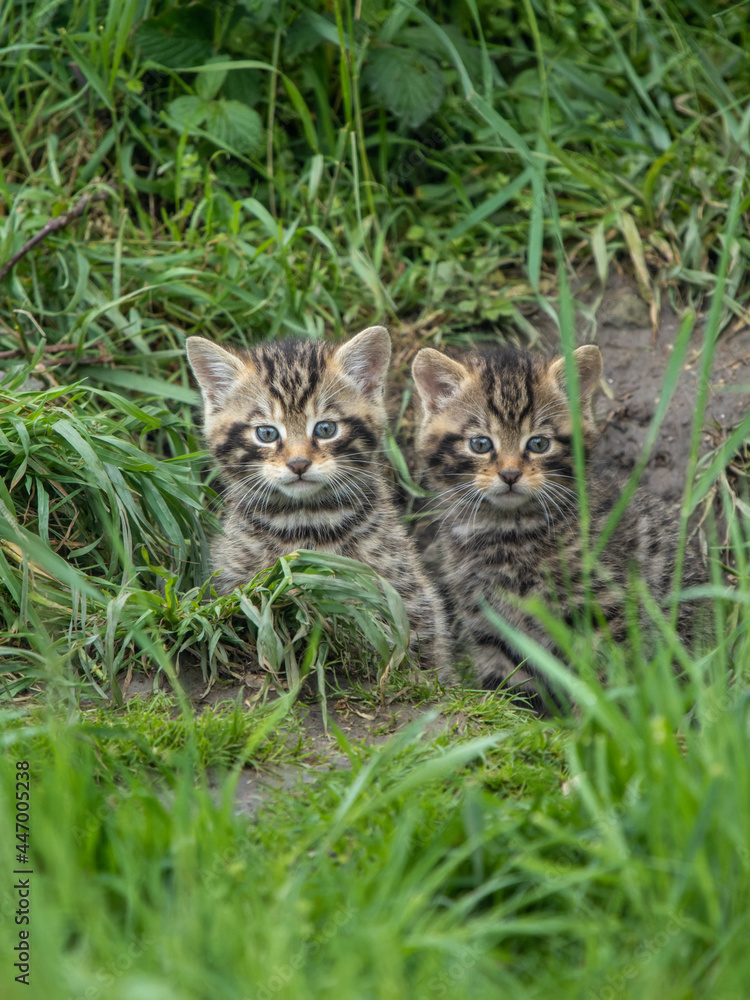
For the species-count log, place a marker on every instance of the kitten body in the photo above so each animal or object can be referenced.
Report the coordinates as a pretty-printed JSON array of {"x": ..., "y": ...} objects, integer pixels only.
[
  {"x": 295, "y": 427},
  {"x": 496, "y": 444}
]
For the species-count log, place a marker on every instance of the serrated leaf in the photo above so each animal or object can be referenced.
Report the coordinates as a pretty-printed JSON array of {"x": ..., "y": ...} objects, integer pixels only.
[
  {"x": 423, "y": 38},
  {"x": 235, "y": 125},
  {"x": 188, "y": 111},
  {"x": 178, "y": 37},
  {"x": 311, "y": 28},
  {"x": 243, "y": 85},
  {"x": 409, "y": 83}
]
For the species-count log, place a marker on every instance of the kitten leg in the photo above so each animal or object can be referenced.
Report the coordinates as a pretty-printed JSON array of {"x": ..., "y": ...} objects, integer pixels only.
[
  {"x": 238, "y": 556},
  {"x": 429, "y": 634}
]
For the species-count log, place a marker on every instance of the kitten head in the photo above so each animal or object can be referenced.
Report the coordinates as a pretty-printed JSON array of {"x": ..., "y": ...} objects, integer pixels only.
[
  {"x": 496, "y": 428},
  {"x": 292, "y": 421}
]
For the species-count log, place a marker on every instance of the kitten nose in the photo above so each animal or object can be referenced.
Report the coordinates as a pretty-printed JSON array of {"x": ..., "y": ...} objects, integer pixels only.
[
  {"x": 299, "y": 465},
  {"x": 510, "y": 476}
]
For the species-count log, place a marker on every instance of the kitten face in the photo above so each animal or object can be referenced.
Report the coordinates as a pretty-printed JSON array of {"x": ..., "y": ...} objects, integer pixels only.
[
  {"x": 496, "y": 429},
  {"x": 292, "y": 423}
]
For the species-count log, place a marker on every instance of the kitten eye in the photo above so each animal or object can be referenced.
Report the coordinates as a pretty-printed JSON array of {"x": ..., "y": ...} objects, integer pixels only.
[
  {"x": 267, "y": 434},
  {"x": 481, "y": 445},
  {"x": 537, "y": 445},
  {"x": 325, "y": 429}
]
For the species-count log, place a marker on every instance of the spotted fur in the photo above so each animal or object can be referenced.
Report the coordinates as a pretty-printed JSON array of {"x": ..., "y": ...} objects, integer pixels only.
[
  {"x": 295, "y": 427},
  {"x": 496, "y": 444}
]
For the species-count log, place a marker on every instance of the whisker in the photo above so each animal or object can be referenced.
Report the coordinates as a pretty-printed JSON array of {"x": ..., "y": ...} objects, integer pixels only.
[
  {"x": 545, "y": 494},
  {"x": 464, "y": 500}
]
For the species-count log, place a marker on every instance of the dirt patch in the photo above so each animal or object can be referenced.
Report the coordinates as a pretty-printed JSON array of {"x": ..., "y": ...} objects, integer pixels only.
[
  {"x": 359, "y": 722},
  {"x": 634, "y": 365},
  {"x": 372, "y": 727}
]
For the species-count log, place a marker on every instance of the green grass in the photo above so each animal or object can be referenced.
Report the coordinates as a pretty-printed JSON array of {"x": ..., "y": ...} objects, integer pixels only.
[
  {"x": 427, "y": 861},
  {"x": 257, "y": 171}
]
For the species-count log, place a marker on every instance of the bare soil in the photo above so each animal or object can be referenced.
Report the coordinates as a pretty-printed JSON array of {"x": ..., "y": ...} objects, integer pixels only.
[
  {"x": 359, "y": 723},
  {"x": 635, "y": 361}
]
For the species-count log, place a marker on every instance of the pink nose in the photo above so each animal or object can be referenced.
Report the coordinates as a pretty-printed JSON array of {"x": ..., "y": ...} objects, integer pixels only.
[
  {"x": 299, "y": 465},
  {"x": 510, "y": 476}
]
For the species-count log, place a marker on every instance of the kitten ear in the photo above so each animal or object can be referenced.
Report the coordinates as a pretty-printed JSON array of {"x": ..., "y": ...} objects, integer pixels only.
[
  {"x": 438, "y": 378},
  {"x": 216, "y": 370},
  {"x": 365, "y": 359},
  {"x": 589, "y": 364}
]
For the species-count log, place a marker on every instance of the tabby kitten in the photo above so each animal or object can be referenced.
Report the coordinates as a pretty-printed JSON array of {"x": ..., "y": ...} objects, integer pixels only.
[
  {"x": 295, "y": 427},
  {"x": 496, "y": 444}
]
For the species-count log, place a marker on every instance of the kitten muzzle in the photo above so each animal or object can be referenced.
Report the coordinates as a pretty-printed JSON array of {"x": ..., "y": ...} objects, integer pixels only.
[
  {"x": 299, "y": 465},
  {"x": 509, "y": 496},
  {"x": 510, "y": 476}
]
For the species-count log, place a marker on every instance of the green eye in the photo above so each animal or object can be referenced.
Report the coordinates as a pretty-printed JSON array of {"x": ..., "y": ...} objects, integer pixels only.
[
  {"x": 267, "y": 434},
  {"x": 537, "y": 445},
  {"x": 325, "y": 429},
  {"x": 481, "y": 445}
]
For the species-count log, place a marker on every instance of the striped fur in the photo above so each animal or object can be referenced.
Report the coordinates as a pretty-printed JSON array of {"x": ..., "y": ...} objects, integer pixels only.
[
  {"x": 510, "y": 523},
  {"x": 306, "y": 489}
]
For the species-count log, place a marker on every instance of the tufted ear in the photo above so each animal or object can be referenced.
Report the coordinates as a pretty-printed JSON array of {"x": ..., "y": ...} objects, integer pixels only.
[
  {"x": 216, "y": 370},
  {"x": 438, "y": 378},
  {"x": 365, "y": 358},
  {"x": 588, "y": 361}
]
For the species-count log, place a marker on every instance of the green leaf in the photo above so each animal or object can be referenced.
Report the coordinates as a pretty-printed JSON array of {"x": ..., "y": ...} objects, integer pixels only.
[
  {"x": 142, "y": 383},
  {"x": 491, "y": 205},
  {"x": 244, "y": 85},
  {"x": 188, "y": 111},
  {"x": 234, "y": 125},
  {"x": 93, "y": 78},
  {"x": 209, "y": 83},
  {"x": 181, "y": 36},
  {"x": 409, "y": 83},
  {"x": 309, "y": 30},
  {"x": 422, "y": 38},
  {"x": 91, "y": 460},
  {"x": 302, "y": 110}
]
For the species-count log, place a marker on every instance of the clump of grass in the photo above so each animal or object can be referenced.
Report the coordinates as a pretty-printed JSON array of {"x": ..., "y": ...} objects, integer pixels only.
[
  {"x": 306, "y": 613},
  {"x": 154, "y": 732},
  {"x": 77, "y": 473},
  {"x": 353, "y": 203}
]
